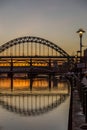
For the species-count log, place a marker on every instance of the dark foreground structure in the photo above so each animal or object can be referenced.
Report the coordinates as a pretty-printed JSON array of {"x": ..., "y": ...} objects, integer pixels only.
[{"x": 78, "y": 107}]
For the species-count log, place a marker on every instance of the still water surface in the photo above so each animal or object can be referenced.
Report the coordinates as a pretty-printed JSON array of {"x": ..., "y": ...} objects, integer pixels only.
[{"x": 40, "y": 109}]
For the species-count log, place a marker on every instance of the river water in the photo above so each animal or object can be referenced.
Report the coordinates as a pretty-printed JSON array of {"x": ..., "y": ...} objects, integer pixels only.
[{"x": 43, "y": 108}]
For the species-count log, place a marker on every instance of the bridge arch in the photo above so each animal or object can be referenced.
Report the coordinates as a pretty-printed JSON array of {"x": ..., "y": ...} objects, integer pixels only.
[{"x": 41, "y": 46}]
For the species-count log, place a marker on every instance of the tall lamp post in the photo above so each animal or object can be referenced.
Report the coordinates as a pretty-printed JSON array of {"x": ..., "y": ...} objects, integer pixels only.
[{"x": 80, "y": 32}]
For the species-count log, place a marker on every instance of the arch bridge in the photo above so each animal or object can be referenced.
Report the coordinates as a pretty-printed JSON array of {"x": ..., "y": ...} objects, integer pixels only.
[{"x": 33, "y": 52}]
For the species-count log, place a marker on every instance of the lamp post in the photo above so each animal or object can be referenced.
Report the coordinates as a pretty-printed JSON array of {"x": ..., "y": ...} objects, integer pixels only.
[
  {"x": 78, "y": 52},
  {"x": 80, "y": 32}
]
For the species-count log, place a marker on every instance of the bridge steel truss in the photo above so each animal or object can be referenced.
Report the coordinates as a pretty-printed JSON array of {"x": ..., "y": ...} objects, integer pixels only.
[
  {"x": 35, "y": 45},
  {"x": 33, "y": 49}
]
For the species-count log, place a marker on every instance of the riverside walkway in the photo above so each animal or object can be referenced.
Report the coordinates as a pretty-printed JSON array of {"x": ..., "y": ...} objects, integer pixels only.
[
  {"x": 78, "y": 105},
  {"x": 78, "y": 118}
]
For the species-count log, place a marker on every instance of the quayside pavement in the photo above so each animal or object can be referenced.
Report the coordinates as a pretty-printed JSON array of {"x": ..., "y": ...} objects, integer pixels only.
[{"x": 77, "y": 118}]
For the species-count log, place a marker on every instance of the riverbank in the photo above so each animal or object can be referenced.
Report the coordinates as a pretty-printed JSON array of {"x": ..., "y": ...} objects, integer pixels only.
[{"x": 78, "y": 118}]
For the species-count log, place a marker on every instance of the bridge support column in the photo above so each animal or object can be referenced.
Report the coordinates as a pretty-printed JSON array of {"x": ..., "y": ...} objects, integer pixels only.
[
  {"x": 49, "y": 62},
  {"x": 11, "y": 83},
  {"x": 31, "y": 82},
  {"x": 30, "y": 62},
  {"x": 11, "y": 74},
  {"x": 49, "y": 82}
]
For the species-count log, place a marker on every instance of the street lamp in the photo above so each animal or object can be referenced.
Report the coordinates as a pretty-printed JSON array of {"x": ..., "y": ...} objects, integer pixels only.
[{"x": 80, "y": 32}]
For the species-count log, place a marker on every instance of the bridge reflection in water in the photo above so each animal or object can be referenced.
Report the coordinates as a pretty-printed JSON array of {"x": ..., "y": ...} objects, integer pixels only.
[
  {"x": 40, "y": 101},
  {"x": 31, "y": 104},
  {"x": 44, "y": 104}
]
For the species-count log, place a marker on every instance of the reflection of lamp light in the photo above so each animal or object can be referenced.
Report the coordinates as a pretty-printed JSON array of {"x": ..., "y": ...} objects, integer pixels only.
[{"x": 80, "y": 31}]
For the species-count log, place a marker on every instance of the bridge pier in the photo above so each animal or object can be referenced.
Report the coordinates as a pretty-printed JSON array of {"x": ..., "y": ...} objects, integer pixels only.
[
  {"x": 49, "y": 63},
  {"x": 49, "y": 82},
  {"x": 30, "y": 62},
  {"x": 11, "y": 82},
  {"x": 31, "y": 82},
  {"x": 11, "y": 74}
]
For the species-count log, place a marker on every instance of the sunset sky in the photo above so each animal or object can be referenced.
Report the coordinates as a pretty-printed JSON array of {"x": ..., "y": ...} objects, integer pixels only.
[{"x": 54, "y": 20}]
